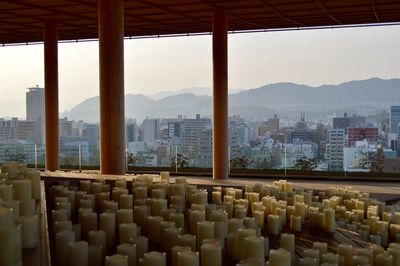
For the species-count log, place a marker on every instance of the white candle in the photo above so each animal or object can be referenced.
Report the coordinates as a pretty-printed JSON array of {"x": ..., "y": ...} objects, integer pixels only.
[
  {"x": 282, "y": 216},
  {"x": 78, "y": 253},
  {"x": 142, "y": 246},
  {"x": 188, "y": 258},
  {"x": 345, "y": 251},
  {"x": 6, "y": 217},
  {"x": 254, "y": 246},
  {"x": 126, "y": 201},
  {"x": 29, "y": 231},
  {"x": 107, "y": 224},
  {"x": 233, "y": 245},
  {"x": 329, "y": 220},
  {"x": 96, "y": 187},
  {"x": 120, "y": 183},
  {"x": 211, "y": 255},
  {"x": 287, "y": 242},
  {"x": 23, "y": 189},
  {"x": 273, "y": 224},
  {"x": 124, "y": 216},
  {"x": 34, "y": 177},
  {"x": 234, "y": 225},
  {"x": 308, "y": 261},
  {"x": 154, "y": 258},
  {"x": 174, "y": 254},
  {"x": 195, "y": 217},
  {"x": 89, "y": 223},
  {"x": 116, "y": 260},
  {"x": 27, "y": 207},
  {"x": 322, "y": 247},
  {"x": 85, "y": 185},
  {"x": 62, "y": 226},
  {"x": 95, "y": 255},
  {"x": 280, "y": 257},
  {"x": 100, "y": 198},
  {"x": 140, "y": 193},
  {"x": 10, "y": 245},
  {"x": 127, "y": 233},
  {"x": 110, "y": 206},
  {"x": 295, "y": 223},
  {"x": 178, "y": 219},
  {"x": 128, "y": 250},
  {"x": 187, "y": 240},
  {"x": 58, "y": 215},
  {"x": 360, "y": 260},
  {"x": 66, "y": 206},
  {"x": 171, "y": 237},
  {"x": 204, "y": 230},
  {"x": 312, "y": 253},
  {"x": 6, "y": 192},
  {"x": 63, "y": 239},
  {"x": 384, "y": 259},
  {"x": 242, "y": 234},
  {"x": 216, "y": 197},
  {"x": 330, "y": 258}
]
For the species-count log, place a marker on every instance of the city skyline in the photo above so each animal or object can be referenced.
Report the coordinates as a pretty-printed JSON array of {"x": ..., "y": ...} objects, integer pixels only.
[{"x": 328, "y": 56}]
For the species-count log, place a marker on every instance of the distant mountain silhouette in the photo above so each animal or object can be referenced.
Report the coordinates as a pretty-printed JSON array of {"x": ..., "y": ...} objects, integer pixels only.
[{"x": 287, "y": 99}]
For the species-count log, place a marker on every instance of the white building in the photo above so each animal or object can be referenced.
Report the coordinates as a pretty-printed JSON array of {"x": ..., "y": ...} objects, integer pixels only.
[
  {"x": 151, "y": 130},
  {"x": 334, "y": 149}
]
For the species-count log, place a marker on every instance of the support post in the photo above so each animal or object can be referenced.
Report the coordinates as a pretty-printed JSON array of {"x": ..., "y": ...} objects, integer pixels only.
[
  {"x": 111, "y": 61},
  {"x": 51, "y": 96},
  {"x": 220, "y": 94}
]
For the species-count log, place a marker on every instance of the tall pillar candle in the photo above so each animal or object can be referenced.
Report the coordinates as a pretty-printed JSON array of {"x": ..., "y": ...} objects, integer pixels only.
[
  {"x": 187, "y": 240},
  {"x": 154, "y": 258},
  {"x": 78, "y": 253},
  {"x": 89, "y": 223},
  {"x": 254, "y": 246},
  {"x": 10, "y": 245},
  {"x": 188, "y": 258},
  {"x": 129, "y": 251},
  {"x": 34, "y": 177},
  {"x": 142, "y": 246},
  {"x": 329, "y": 220},
  {"x": 211, "y": 255},
  {"x": 95, "y": 255},
  {"x": 63, "y": 239},
  {"x": 127, "y": 233},
  {"x": 280, "y": 257},
  {"x": 195, "y": 217},
  {"x": 124, "y": 216},
  {"x": 29, "y": 231},
  {"x": 174, "y": 253},
  {"x": 345, "y": 251},
  {"x": 116, "y": 260},
  {"x": 273, "y": 224},
  {"x": 126, "y": 201},
  {"x": 204, "y": 230},
  {"x": 107, "y": 224},
  {"x": 23, "y": 189}
]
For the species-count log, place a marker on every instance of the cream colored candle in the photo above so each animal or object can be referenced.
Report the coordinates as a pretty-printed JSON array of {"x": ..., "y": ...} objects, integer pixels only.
[
  {"x": 29, "y": 231},
  {"x": 395, "y": 252},
  {"x": 330, "y": 258},
  {"x": 63, "y": 239},
  {"x": 204, "y": 230},
  {"x": 23, "y": 189},
  {"x": 234, "y": 225},
  {"x": 312, "y": 253},
  {"x": 164, "y": 225},
  {"x": 140, "y": 193},
  {"x": 233, "y": 245},
  {"x": 128, "y": 250},
  {"x": 287, "y": 242},
  {"x": 174, "y": 253},
  {"x": 171, "y": 237},
  {"x": 295, "y": 223},
  {"x": 158, "y": 206},
  {"x": 308, "y": 261},
  {"x": 6, "y": 217},
  {"x": 10, "y": 245},
  {"x": 34, "y": 177},
  {"x": 360, "y": 260},
  {"x": 322, "y": 247},
  {"x": 107, "y": 224},
  {"x": 77, "y": 228},
  {"x": 178, "y": 219},
  {"x": 282, "y": 216},
  {"x": 116, "y": 260},
  {"x": 195, "y": 217},
  {"x": 300, "y": 210},
  {"x": 78, "y": 253},
  {"x": 96, "y": 187},
  {"x": 211, "y": 255},
  {"x": 62, "y": 226},
  {"x": 217, "y": 197},
  {"x": 280, "y": 257},
  {"x": 154, "y": 228},
  {"x": 6, "y": 192},
  {"x": 98, "y": 238},
  {"x": 384, "y": 259},
  {"x": 259, "y": 217},
  {"x": 120, "y": 183},
  {"x": 126, "y": 201},
  {"x": 139, "y": 215},
  {"x": 274, "y": 224},
  {"x": 89, "y": 223},
  {"x": 142, "y": 246},
  {"x": 27, "y": 207},
  {"x": 329, "y": 220},
  {"x": 95, "y": 255},
  {"x": 85, "y": 185},
  {"x": 320, "y": 220},
  {"x": 110, "y": 206},
  {"x": 154, "y": 258},
  {"x": 187, "y": 240},
  {"x": 58, "y": 215},
  {"x": 66, "y": 206},
  {"x": 127, "y": 232},
  {"x": 81, "y": 211},
  {"x": 254, "y": 246},
  {"x": 188, "y": 258},
  {"x": 345, "y": 251},
  {"x": 124, "y": 216}
]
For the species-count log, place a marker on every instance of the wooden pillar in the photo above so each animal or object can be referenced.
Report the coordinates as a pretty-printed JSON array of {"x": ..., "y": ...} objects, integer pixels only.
[
  {"x": 220, "y": 94},
  {"x": 111, "y": 61},
  {"x": 51, "y": 96}
]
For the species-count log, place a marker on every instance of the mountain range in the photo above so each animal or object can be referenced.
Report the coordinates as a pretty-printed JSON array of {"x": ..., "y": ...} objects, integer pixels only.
[{"x": 362, "y": 97}]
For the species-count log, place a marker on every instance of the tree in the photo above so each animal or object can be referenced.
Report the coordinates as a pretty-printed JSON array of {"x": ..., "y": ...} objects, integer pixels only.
[
  {"x": 241, "y": 162},
  {"x": 131, "y": 158},
  {"x": 378, "y": 161},
  {"x": 19, "y": 157},
  {"x": 305, "y": 164},
  {"x": 181, "y": 161}
]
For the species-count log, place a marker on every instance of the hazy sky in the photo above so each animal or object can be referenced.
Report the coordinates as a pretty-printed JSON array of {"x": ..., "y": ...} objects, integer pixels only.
[{"x": 312, "y": 57}]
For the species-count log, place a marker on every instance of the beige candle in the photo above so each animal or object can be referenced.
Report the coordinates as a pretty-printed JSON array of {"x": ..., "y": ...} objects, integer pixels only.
[
  {"x": 34, "y": 177},
  {"x": 85, "y": 185},
  {"x": 300, "y": 210},
  {"x": 308, "y": 261},
  {"x": 395, "y": 252},
  {"x": 154, "y": 228},
  {"x": 254, "y": 246},
  {"x": 178, "y": 219},
  {"x": 128, "y": 250},
  {"x": 158, "y": 206},
  {"x": 27, "y": 207},
  {"x": 127, "y": 233},
  {"x": 312, "y": 253},
  {"x": 116, "y": 260},
  {"x": 124, "y": 216},
  {"x": 96, "y": 187},
  {"x": 126, "y": 201},
  {"x": 217, "y": 197},
  {"x": 287, "y": 242},
  {"x": 58, "y": 215},
  {"x": 89, "y": 223},
  {"x": 171, "y": 237},
  {"x": 174, "y": 254},
  {"x": 6, "y": 192},
  {"x": 188, "y": 258},
  {"x": 360, "y": 260},
  {"x": 154, "y": 258},
  {"x": 107, "y": 224},
  {"x": 345, "y": 251},
  {"x": 139, "y": 215},
  {"x": 10, "y": 245},
  {"x": 23, "y": 189},
  {"x": 66, "y": 206},
  {"x": 295, "y": 223},
  {"x": 78, "y": 253},
  {"x": 98, "y": 238},
  {"x": 330, "y": 258},
  {"x": 274, "y": 224},
  {"x": 211, "y": 254},
  {"x": 187, "y": 240},
  {"x": 140, "y": 193},
  {"x": 63, "y": 239},
  {"x": 62, "y": 226},
  {"x": 110, "y": 206},
  {"x": 77, "y": 228},
  {"x": 383, "y": 259},
  {"x": 100, "y": 198},
  {"x": 6, "y": 216},
  {"x": 29, "y": 231},
  {"x": 142, "y": 246},
  {"x": 322, "y": 247},
  {"x": 234, "y": 225},
  {"x": 95, "y": 256},
  {"x": 204, "y": 230},
  {"x": 120, "y": 183},
  {"x": 195, "y": 216},
  {"x": 329, "y": 220},
  {"x": 280, "y": 257}
]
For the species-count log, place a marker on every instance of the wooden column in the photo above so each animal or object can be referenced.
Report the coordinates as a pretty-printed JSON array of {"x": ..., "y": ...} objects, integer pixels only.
[
  {"x": 111, "y": 60},
  {"x": 220, "y": 94},
  {"x": 51, "y": 96}
]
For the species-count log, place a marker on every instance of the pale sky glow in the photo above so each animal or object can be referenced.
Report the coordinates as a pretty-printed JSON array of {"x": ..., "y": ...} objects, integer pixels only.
[{"x": 312, "y": 57}]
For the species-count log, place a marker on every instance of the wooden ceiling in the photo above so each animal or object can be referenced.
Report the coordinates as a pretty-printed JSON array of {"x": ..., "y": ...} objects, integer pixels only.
[{"x": 21, "y": 21}]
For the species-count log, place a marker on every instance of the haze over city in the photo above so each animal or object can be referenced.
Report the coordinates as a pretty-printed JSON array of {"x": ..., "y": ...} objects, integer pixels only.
[{"x": 311, "y": 57}]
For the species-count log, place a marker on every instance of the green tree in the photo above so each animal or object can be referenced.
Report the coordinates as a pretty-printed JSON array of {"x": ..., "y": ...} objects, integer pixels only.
[
  {"x": 131, "y": 159},
  {"x": 18, "y": 157},
  {"x": 180, "y": 160},
  {"x": 378, "y": 161},
  {"x": 241, "y": 162},
  {"x": 305, "y": 164}
]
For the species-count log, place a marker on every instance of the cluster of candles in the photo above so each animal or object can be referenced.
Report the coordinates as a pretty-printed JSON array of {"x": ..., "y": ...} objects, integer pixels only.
[{"x": 19, "y": 228}]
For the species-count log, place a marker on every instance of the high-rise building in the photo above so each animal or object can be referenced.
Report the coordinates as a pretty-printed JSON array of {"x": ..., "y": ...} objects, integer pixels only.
[
  {"x": 151, "y": 130},
  {"x": 362, "y": 133},
  {"x": 272, "y": 124},
  {"x": 15, "y": 129},
  {"x": 334, "y": 149},
  {"x": 131, "y": 131},
  {"x": 191, "y": 129},
  {"x": 341, "y": 122},
  {"x": 394, "y": 119},
  {"x": 35, "y": 109}
]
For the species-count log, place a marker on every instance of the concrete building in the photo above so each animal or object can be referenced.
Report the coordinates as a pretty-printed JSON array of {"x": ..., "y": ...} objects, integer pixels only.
[
  {"x": 394, "y": 119},
  {"x": 341, "y": 122},
  {"x": 35, "y": 110},
  {"x": 191, "y": 129},
  {"x": 334, "y": 149},
  {"x": 362, "y": 133},
  {"x": 151, "y": 130}
]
